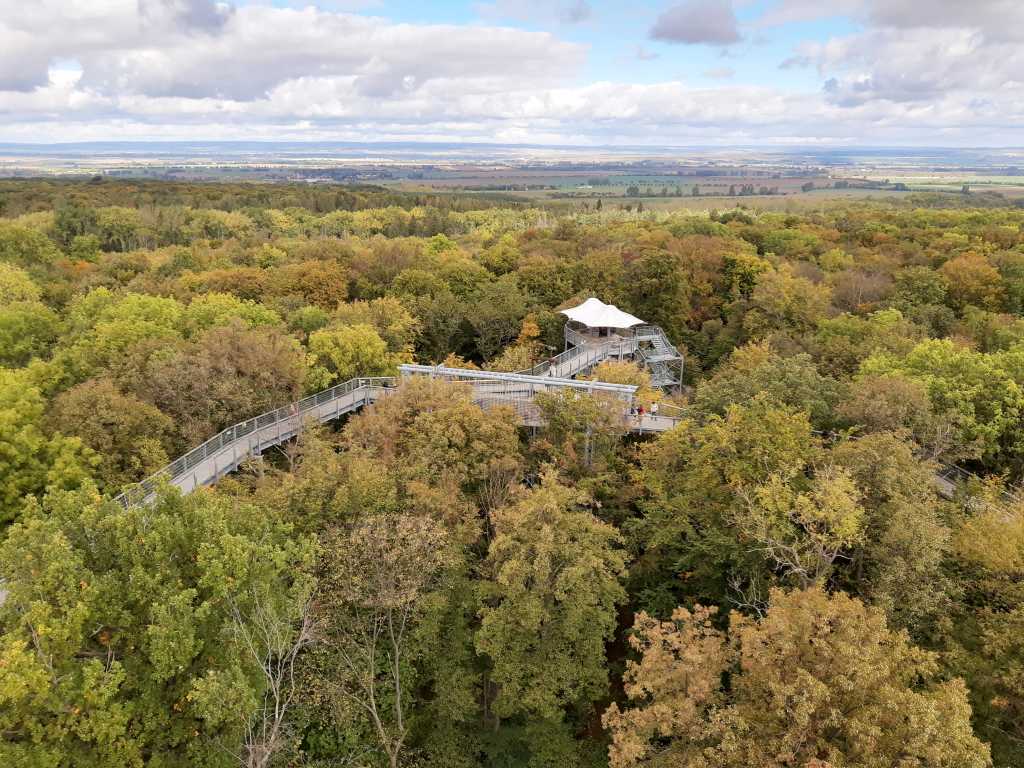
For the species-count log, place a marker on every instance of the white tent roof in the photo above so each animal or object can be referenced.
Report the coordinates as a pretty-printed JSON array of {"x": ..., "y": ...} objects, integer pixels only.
[{"x": 594, "y": 313}]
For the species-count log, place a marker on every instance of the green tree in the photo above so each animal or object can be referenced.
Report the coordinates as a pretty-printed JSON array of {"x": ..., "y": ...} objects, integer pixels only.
[
  {"x": 119, "y": 228},
  {"x": 105, "y": 328},
  {"x": 630, "y": 373},
  {"x": 16, "y": 285},
  {"x": 582, "y": 430},
  {"x": 379, "y": 576},
  {"x": 785, "y": 303},
  {"x": 127, "y": 435},
  {"x": 433, "y": 434},
  {"x": 793, "y": 244},
  {"x": 28, "y": 330},
  {"x": 346, "y": 352},
  {"x": 72, "y": 220},
  {"x": 304, "y": 320},
  {"x": 841, "y": 343},
  {"x": 693, "y": 480},
  {"x": 321, "y": 283},
  {"x": 802, "y": 531},
  {"x": 658, "y": 290},
  {"x": 388, "y": 315},
  {"x": 554, "y": 582},
  {"x": 25, "y": 247},
  {"x": 741, "y": 272},
  {"x": 900, "y": 563},
  {"x": 984, "y": 631},
  {"x": 440, "y": 318},
  {"x": 30, "y": 460},
  {"x": 973, "y": 280},
  {"x": 991, "y": 331},
  {"x": 496, "y": 315},
  {"x": 228, "y": 374},
  {"x": 755, "y": 368},
  {"x": 976, "y": 392},
  {"x": 385, "y": 515},
  {"x": 216, "y": 309},
  {"x": 503, "y": 256},
  {"x": 920, "y": 286},
  {"x": 147, "y": 635},
  {"x": 892, "y": 403}
]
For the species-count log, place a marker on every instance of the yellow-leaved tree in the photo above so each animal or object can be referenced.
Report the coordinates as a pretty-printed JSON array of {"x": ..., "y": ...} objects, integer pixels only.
[{"x": 819, "y": 679}]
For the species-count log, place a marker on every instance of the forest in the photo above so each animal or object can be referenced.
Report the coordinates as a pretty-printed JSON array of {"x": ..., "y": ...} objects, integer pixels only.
[{"x": 776, "y": 581}]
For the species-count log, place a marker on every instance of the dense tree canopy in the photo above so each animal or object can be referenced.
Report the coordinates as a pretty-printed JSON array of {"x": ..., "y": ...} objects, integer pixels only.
[
  {"x": 780, "y": 579},
  {"x": 128, "y": 634}
]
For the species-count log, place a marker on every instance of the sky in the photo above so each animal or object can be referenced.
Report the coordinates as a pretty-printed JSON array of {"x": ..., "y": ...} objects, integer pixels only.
[{"x": 552, "y": 72}]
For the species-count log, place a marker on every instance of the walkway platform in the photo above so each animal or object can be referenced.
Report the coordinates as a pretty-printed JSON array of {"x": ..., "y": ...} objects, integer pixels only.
[{"x": 225, "y": 452}]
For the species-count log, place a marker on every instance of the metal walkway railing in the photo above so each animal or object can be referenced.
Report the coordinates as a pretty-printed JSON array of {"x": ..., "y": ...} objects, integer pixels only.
[
  {"x": 223, "y": 453},
  {"x": 949, "y": 478},
  {"x": 647, "y": 344},
  {"x": 580, "y": 358},
  {"x": 226, "y": 451}
]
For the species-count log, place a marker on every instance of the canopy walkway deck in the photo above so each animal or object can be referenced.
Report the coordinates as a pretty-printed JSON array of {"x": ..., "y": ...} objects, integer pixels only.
[{"x": 226, "y": 451}]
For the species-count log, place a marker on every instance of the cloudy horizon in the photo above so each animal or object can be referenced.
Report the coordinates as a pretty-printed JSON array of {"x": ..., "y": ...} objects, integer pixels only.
[{"x": 564, "y": 72}]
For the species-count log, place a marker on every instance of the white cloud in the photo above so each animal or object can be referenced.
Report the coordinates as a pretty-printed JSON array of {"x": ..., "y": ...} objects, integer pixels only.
[
  {"x": 720, "y": 73},
  {"x": 107, "y": 69},
  {"x": 536, "y": 11},
  {"x": 996, "y": 19},
  {"x": 199, "y": 48},
  {"x": 698, "y": 21},
  {"x": 953, "y": 62}
]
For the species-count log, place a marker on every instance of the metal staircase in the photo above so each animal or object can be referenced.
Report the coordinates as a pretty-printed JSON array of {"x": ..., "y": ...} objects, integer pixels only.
[
  {"x": 660, "y": 356},
  {"x": 649, "y": 346}
]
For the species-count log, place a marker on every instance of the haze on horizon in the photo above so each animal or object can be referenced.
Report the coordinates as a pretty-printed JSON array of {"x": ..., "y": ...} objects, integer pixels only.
[{"x": 563, "y": 72}]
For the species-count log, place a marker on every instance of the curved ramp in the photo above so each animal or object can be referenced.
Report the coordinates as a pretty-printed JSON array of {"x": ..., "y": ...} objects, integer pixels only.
[{"x": 225, "y": 452}]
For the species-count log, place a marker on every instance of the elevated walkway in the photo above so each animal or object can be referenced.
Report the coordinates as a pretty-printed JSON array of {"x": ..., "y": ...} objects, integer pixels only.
[
  {"x": 226, "y": 451},
  {"x": 647, "y": 345},
  {"x": 581, "y": 357},
  {"x": 207, "y": 463}
]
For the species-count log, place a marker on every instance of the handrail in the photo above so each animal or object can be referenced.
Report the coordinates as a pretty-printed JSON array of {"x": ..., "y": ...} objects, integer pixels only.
[
  {"x": 953, "y": 474},
  {"x": 180, "y": 466},
  {"x": 574, "y": 337},
  {"x": 648, "y": 332},
  {"x": 440, "y": 371},
  {"x": 957, "y": 475},
  {"x": 555, "y": 372},
  {"x": 505, "y": 390},
  {"x": 680, "y": 411},
  {"x": 594, "y": 353}
]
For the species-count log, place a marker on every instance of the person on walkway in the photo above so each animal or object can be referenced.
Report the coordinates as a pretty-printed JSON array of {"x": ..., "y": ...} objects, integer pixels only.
[{"x": 654, "y": 409}]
